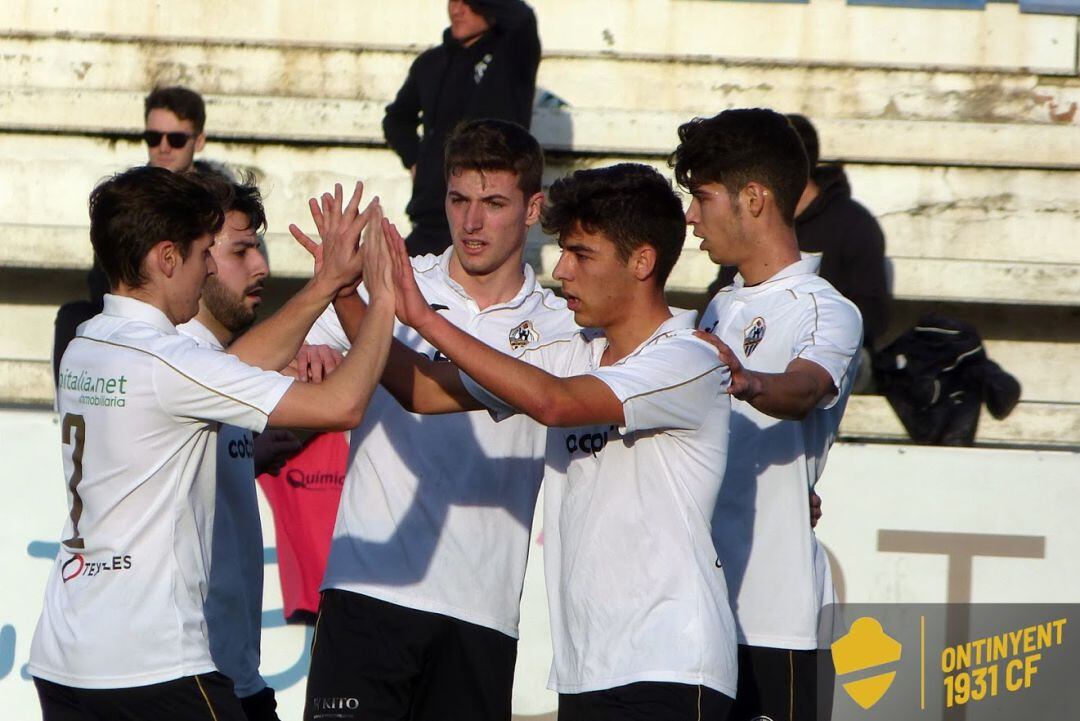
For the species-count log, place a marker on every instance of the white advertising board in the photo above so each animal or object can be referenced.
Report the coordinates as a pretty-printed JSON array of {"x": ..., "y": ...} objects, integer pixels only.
[{"x": 902, "y": 524}]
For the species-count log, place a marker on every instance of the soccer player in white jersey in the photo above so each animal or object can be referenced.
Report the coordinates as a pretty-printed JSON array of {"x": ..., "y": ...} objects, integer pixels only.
[
  {"x": 791, "y": 341},
  {"x": 123, "y": 632},
  {"x": 637, "y": 411},
  {"x": 228, "y": 307},
  {"x": 419, "y": 611}
]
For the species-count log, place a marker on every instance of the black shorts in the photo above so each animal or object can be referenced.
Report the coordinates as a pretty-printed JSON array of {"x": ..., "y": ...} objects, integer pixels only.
[
  {"x": 192, "y": 698},
  {"x": 377, "y": 661},
  {"x": 646, "y": 701},
  {"x": 779, "y": 684}
]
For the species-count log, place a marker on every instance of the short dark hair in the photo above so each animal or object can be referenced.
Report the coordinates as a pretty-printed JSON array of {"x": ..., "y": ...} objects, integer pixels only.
[
  {"x": 248, "y": 200},
  {"x": 808, "y": 135},
  {"x": 186, "y": 104},
  {"x": 133, "y": 211},
  {"x": 739, "y": 146},
  {"x": 240, "y": 195},
  {"x": 490, "y": 144},
  {"x": 631, "y": 204}
]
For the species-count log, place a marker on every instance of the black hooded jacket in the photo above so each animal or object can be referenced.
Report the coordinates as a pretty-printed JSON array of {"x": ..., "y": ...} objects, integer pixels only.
[
  {"x": 495, "y": 77},
  {"x": 851, "y": 245}
]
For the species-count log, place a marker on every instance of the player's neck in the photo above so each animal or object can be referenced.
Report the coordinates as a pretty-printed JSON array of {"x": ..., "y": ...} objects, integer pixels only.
[
  {"x": 776, "y": 252},
  {"x": 212, "y": 324},
  {"x": 632, "y": 327},
  {"x": 488, "y": 289},
  {"x": 149, "y": 294}
]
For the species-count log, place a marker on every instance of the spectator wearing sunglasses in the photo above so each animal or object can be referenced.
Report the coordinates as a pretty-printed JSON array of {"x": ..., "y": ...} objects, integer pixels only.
[
  {"x": 174, "y": 127},
  {"x": 174, "y": 118}
]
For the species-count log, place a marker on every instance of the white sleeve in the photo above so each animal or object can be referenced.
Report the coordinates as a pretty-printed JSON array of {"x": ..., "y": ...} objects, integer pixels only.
[
  {"x": 209, "y": 385},
  {"x": 831, "y": 337},
  {"x": 553, "y": 356},
  {"x": 672, "y": 384},
  {"x": 499, "y": 409}
]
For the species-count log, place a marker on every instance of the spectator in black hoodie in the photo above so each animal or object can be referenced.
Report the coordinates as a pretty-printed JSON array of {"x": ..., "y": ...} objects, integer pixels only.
[
  {"x": 484, "y": 68},
  {"x": 852, "y": 246}
]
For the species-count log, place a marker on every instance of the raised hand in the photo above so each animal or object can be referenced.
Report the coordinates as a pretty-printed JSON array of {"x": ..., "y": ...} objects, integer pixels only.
[
  {"x": 378, "y": 265},
  {"x": 412, "y": 308},
  {"x": 338, "y": 261},
  {"x": 321, "y": 218}
]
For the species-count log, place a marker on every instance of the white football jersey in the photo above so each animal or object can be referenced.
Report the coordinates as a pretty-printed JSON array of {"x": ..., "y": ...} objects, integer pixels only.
[
  {"x": 634, "y": 590},
  {"x": 234, "y": 596},
  {"x": 436, "y": 511},
  {"x": 140, "y": 406},
  {"x": 777, "y": 571}
]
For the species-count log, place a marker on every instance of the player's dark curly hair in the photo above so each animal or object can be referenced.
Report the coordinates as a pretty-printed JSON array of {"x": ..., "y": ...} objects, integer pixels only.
[
  {"x": 133, "y": 211},
  {"x": 631, "y": 204},
  {"x": 489, "y": 144},
  {"x": 740, "y": 146},
  {"x": 808, "y": 135},
  {"x": 248, "y": 200},
  {"x": 235, "y": 195}
]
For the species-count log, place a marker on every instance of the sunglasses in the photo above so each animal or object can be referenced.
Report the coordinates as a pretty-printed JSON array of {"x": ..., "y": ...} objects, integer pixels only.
[{"x": 176, "y": 140}]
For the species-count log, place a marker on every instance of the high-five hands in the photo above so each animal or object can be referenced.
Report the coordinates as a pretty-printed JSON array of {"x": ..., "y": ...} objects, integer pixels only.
[
  {"x": 378, "y": 263},
  {"x": 412, "y": 309},
  {"x": 338, "y": 260}
]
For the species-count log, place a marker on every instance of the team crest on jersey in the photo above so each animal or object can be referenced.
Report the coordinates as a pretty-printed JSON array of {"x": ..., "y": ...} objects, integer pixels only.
[
  {"x": 525, "y": 334},
  {"x": 753, "y": 335}
]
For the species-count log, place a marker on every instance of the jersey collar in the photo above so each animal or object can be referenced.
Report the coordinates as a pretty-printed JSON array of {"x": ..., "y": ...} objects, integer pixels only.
[
  {"x": 528, "y": 287},
  {"x": 680, "y": 320},
  {"x": 197, "y": 330},
  {"x": 122, "y": 306}
]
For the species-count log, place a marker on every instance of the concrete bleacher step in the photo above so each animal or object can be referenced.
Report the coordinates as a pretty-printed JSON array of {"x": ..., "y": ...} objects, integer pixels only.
[
  {"x": 636, "y": 132},
  {"x": 915, "y": 278},
  {"x": 997, "y": 36},
  {"x": 29, "y": 383},
  {"x": 1031, "y": 423},
  {"x": 607, "y": 80},
  {"x": 1048, "y": 372}
]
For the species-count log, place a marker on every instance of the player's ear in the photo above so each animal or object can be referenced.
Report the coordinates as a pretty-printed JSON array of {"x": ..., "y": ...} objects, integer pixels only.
[
  {"x": 200, "y": 141},
  {"x": 164, "y": 257},
  {"x": 533, "y": 205},
  {"x": 753, "y": 195},
  {"x": 643, "y": 261}
]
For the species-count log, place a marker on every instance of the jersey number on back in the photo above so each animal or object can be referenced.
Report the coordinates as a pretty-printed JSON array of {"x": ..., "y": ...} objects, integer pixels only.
[{"x": 73, "y": 433}]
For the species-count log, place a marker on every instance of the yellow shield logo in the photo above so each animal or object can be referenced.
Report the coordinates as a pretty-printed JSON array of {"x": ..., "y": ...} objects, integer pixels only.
[{"x": 865, "y": 647}]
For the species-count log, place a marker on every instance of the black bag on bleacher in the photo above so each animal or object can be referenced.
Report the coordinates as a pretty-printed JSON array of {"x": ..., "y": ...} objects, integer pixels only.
[{"x": 936, "y": 376}]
